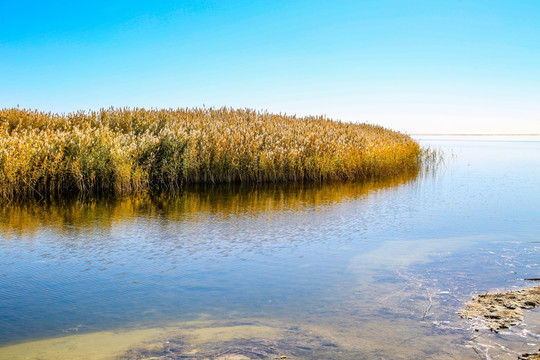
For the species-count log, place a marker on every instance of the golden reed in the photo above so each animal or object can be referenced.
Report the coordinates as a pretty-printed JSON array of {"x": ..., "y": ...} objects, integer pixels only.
[{"x": 121, "y": 151}]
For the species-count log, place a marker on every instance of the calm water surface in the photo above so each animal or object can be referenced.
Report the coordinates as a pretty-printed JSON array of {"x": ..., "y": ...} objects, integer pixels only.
[{"x": 373, "y": 270}]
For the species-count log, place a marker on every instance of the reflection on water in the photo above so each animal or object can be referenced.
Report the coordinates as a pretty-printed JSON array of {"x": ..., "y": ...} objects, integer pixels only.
[
  {"x": 191, "y": 205},
  {"x": 375, "y": 270}
]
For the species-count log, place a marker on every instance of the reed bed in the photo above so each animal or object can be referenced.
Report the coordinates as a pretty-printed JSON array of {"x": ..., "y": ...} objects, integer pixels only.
[{"x": 121, "y": 151}]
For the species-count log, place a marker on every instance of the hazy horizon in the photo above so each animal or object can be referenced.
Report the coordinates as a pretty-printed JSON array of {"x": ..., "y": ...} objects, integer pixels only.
[{"x": 418, "y": 67}]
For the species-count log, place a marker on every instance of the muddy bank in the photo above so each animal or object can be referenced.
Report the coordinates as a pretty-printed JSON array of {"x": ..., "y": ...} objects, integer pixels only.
[{"x": 502, "y": 310}]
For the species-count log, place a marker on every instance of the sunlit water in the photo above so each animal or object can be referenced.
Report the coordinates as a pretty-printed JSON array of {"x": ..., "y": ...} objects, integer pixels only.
[{"x": 374, "y": 270}]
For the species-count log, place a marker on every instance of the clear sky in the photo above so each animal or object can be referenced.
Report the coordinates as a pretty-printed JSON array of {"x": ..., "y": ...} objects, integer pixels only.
[{"x": 415, "y": 66}]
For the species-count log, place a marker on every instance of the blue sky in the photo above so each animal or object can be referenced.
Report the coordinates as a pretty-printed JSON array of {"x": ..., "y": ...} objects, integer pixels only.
[{"x": 414, "y": 66}]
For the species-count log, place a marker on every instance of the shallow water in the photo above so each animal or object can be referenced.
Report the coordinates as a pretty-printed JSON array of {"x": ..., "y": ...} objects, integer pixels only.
[{"x": 375, "y": 270}]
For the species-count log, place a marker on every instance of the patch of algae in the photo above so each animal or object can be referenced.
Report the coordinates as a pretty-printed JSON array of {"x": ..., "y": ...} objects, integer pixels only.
[
  {"x": 502, "y": 310},
  {"x": 535, "y": 356}
]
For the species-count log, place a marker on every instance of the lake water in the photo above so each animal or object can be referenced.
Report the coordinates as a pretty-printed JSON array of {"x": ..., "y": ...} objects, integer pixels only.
[{"x": 348, "y": 271}]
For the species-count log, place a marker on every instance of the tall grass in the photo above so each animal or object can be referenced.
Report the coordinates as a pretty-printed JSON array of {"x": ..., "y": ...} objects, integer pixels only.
[{"x": 121, "y": 151}]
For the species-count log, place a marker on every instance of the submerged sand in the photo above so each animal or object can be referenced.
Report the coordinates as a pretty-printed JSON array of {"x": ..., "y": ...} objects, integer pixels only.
[
  {"x": 248, "y": 339},
  {"x": 241, "y": 340},
  {"x": 409, "y": 324}
]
